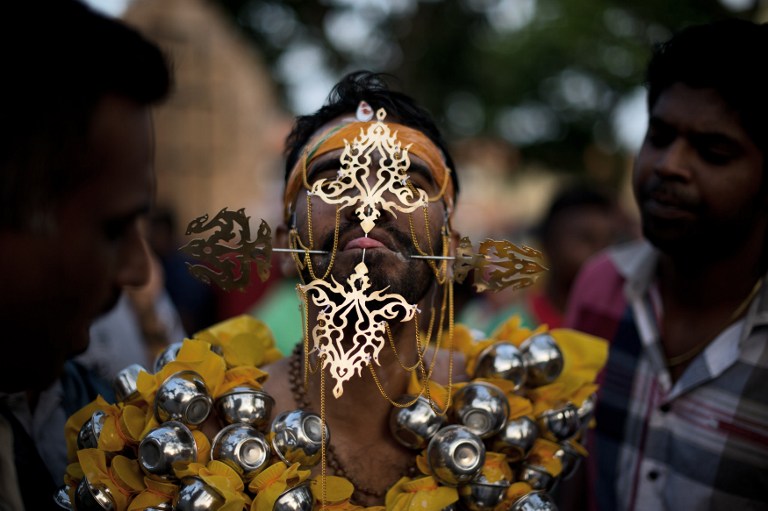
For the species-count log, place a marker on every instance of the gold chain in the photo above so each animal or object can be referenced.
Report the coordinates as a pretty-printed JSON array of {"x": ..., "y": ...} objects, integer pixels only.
[
  {"x": 394, "y": 348},
  {"x": 323, "y": 439},
  {"x": 691, "y": 353},
  {"x": 310, "y": 230}
]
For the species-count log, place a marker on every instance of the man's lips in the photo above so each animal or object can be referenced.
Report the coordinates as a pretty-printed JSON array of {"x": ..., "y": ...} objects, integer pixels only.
[
  {"x": 363, "y": 242},
  {"x": 667, "y": 199},
  {"x": 667, "y": 206}
]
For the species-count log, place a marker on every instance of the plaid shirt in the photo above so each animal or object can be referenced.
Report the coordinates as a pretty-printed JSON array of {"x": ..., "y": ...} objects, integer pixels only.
[{"x": 699, "y": 443}]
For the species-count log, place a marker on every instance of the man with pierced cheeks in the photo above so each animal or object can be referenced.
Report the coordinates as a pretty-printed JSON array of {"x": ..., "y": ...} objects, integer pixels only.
[{"x": 363, "y": 446}]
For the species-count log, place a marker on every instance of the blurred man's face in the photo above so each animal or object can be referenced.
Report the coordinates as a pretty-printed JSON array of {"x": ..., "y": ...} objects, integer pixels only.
[
  {"x": 55, "y": 284},
  {"x": 576, "y": 235},
  {"x": 698, "y": 178}
]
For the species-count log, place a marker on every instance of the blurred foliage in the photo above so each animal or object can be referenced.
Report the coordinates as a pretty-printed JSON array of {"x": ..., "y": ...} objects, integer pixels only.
[{"x": 546, "y": 75}]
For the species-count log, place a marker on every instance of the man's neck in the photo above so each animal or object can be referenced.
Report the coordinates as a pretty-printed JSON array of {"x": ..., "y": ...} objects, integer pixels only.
[{"x": 697, "y": 281}]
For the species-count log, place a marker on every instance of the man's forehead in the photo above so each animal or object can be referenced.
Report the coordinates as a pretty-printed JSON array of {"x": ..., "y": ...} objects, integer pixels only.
[
  {"x": 339, "y": 123},
  {"x": 702, "y": 110},
  {"x": 332, "y": 158}
]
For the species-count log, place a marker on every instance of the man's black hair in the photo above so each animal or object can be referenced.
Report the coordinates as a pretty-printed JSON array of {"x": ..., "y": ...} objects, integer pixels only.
[
  {"x": 344, "y": 99},
  {"x": 60, "y": 59},
  {"x": 724, "y": 56}
]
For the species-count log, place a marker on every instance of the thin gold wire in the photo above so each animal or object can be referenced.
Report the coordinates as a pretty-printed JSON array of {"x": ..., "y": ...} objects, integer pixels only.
[
  {"x": 308, "y": 369},
  {"x": 394, "y": 348},
  {"x": 440, "y": 273},
  {"x": 426, "y": 375},
  {"x": 386, "y": 396},
  {"x": 451, "y": 324},
  {"x": 323, "y": 439},
  {"x": 310, "y": 230},
  {"x": 441, "y": 193},
  {"x": 424, "y": 381},
  {"x": 294, "y": 242}
]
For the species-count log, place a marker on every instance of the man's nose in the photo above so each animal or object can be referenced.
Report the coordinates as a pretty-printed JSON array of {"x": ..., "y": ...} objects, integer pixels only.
[
  {"x": 134, "y": 263},
  {"x": 674, "y": 161}
]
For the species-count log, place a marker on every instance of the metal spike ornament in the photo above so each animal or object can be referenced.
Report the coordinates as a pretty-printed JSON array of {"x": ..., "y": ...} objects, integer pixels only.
[
  {"x": 497, "y": 265},
  {"x": 227, "y": 253},
  {"x": 391, "y": 176},
  {"x": 338, "y": 306}
]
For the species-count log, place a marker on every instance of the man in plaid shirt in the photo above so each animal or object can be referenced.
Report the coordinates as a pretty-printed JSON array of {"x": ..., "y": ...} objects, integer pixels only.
[{"x": 682, "y": 417}]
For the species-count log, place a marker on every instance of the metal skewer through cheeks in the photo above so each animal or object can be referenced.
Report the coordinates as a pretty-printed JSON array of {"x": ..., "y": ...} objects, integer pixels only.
[{"x": 225, "y": 256}]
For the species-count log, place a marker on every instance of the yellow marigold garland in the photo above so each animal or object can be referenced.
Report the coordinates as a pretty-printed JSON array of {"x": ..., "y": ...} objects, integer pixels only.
[{"x": 244, "y": 343}]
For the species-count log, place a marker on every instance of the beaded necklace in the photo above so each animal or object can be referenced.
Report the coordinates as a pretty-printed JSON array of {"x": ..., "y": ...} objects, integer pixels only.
[{"x": 300, "y": 397}]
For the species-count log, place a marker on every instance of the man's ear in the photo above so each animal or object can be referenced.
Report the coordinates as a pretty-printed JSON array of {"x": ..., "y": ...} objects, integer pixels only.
[
  {"x": 455, "y": 237},
  {"x": 285, "y": 260}
]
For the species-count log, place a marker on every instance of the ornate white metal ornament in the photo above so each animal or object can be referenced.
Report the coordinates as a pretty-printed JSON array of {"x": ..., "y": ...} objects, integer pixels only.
[
  {"x": 370, "y": 310},
  {"x": 351, "y": 186}
]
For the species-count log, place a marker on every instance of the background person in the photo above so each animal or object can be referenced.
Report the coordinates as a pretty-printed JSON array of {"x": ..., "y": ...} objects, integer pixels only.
[
  {"x": 682, "y": 417},
  {"x": 580, "y": 221},
  {"x": 76, "y": 181}
]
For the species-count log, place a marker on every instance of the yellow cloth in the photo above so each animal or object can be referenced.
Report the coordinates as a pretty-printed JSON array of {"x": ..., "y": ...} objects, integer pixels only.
[
  {"x": 155, "y": 494},
  {"x": 422, "y": 494},
  {"x": 122, "y": 476},
  {"x": 223, "y": 479},
  {"x": 272, "y": 482},
  {"x": 244, "y": 339}
]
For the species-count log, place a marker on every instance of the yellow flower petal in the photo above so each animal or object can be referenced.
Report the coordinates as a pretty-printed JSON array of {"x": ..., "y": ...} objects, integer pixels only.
[
  {"x": 422, "y": 464},
  {"x": 543, "y": 455},
  {"x": 423, "y": 494},
  {"x": 272, "y": 482},
  {"x": 241, "y": 376},
  {"x": 128, "y": 473},
  {"x": 517, "y": 490},
  {"x": 268, "y": 476},
  {"x": 146, "y": 384},
  {"x": 226, "y": 330},
  {"x": 221, "y": 469},
  {"x": 110, "y": 438},
  {"x": 244, "y": 349},
  {"x": 193, "y": 469},
  {"x": 75, "y": 423},
  {"x": 203, "y": 446},
  {"x": 132, "y": 421},
  {"x": 513, "y": 331},
  {"x": 584, "y": 355},
  {"x": 519, "y": 406},
  {"x": 585, "y": 391},
  {"x": 157, "y": 492},
  {"x": 496, "y": 468},
  {"x": 462, "y": 339},
  {"x": 337, "y": 489}
]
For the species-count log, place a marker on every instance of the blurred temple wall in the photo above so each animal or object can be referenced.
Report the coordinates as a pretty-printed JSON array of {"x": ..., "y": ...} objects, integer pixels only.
[{"x": 219, "y": 137}]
